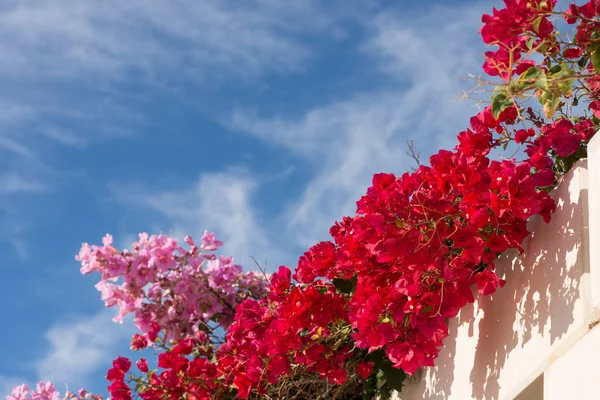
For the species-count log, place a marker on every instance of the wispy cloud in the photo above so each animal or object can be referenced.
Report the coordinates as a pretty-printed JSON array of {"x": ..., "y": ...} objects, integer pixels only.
[
  {"x": 13, "y": 182},
  {"x": 63, "y": 64},
  {"x": 112, "y": 38},
  {"x": 344, "y": 143},
  {"x": 13, "y": 146},
  {"x": 349, "y": 140},
  {"x": 78, "y": 347},
  {"x": 14, "y": 226},
  {"x": 77, "y": 350},
  {"x": 78, "y": 73},
  {"x": 222, "y": 202}
]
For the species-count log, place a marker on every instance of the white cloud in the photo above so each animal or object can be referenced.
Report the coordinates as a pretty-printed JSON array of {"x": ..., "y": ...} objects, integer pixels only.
[
  {"x": 12, "y": 146},
  {"x": 62, "y": 38},
  {"x": 12, "y": 182},
  {"x": 63, "y": 63},
  {"x": 78, "y": 347},
  {"x": 350, "y": 140},
  {"x": 221, "y": 202},
  {"x": 345, "y": 142},
  {"x": 71, "y": 70},
  {"x": 78, "y": 350},
  {"x": 14, "y": 226}
]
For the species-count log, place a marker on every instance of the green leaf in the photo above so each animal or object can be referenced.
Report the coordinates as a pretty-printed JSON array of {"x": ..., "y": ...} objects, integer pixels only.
[
  {"x": 530, "y": 42},
  {"x": 550, "y": 107},
  {"x": 380, "y": 379},
  {"x": 595, "y": 58},
  {"x": 379, "y": 358},
  {"x": 394, "y": 377},
  {"x": 534, "y": 76},
  {"x": 564, "y": 84},
  {"x": 514, "y": 86},
  {"x": 555, "y": 69},
  {"x": 500, "y": 102},
  {"x": 346, "y": 330},
  {"x": 566, "y": 87},
  {"x": 536, "y": 24},
  {"x": 345, "y": 285},
  {"x": 545, "y": 97},
  {"x": 543, "y": 47},
  {"x": 549, "y": 103},
  {"x": 385, "y": 392}
]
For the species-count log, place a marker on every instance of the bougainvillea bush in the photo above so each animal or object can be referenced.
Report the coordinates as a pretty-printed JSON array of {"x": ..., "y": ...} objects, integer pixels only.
[{"x": 364, "y": 310}]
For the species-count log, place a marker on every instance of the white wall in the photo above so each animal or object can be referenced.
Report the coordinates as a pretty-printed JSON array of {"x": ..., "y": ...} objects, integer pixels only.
[{"x": 536, "y": 325}]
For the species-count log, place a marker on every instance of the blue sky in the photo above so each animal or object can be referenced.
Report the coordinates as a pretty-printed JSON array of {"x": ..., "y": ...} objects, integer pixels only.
[{"x": 261, "y": 120}]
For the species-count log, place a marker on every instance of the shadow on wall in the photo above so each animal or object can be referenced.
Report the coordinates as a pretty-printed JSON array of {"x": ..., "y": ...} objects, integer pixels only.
[
  {"x": 440, "y": 384},
  {"x": 498, "y": 339},
  {"x": 542, "y": 288}
]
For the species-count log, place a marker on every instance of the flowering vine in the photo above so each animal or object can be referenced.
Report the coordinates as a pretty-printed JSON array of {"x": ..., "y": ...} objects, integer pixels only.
[{"x": 370, "y": 306}]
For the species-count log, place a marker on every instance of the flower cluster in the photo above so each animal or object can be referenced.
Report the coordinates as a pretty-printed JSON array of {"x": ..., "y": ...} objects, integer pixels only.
[
  {"x": 388, "y": 281},
  {"x": 369, "y": 306},
  {"x": 196, "y": 376},
  {"x": 396, "y": 271},
  {"x": 168, "y": 287},
  {"x": 516, "y": 29},
  {"x": 47, "y": 391},
  {"x": 118, "y": 389}
]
